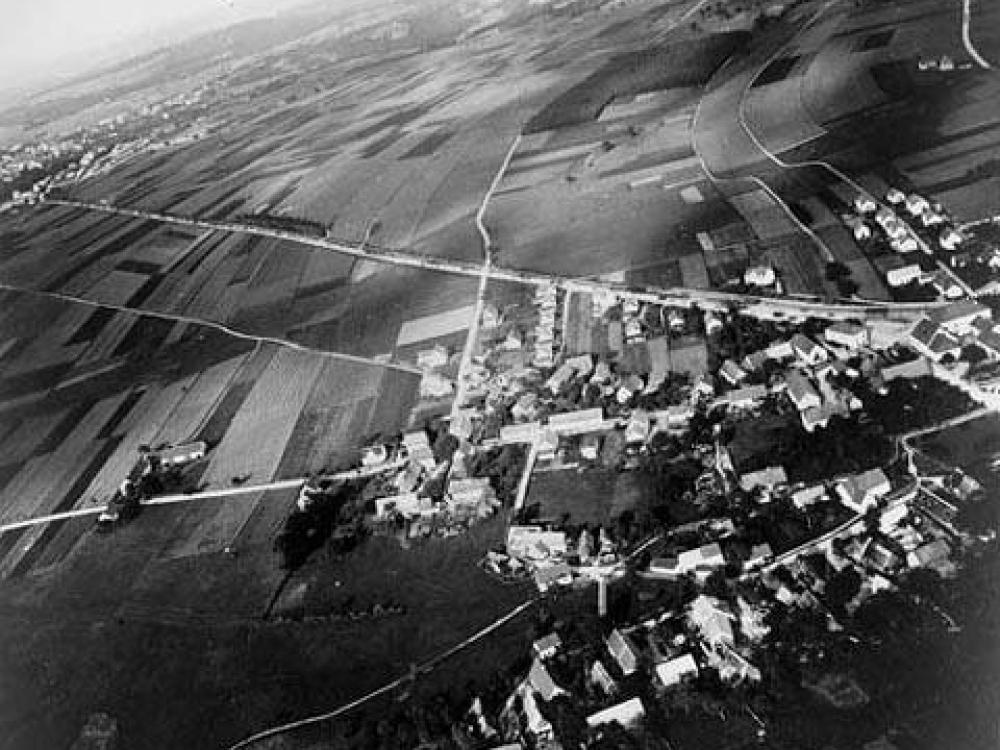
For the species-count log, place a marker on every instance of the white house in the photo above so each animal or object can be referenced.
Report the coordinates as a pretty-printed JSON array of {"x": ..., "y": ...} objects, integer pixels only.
[
  {"x": 744, "y": 398},
  {"x": 865, "y": 204},
  {"x": 848, "y": 335},
  {"x": 897, "y": 277},
  {"x": 702, "y": 560},
  {"x": 905, "y": 245},
  {"x": 759, "y": 276},
  {"x": 623, "y": 651},
  {"x": 950, "y": 239},
  {"x": 895, "y": 196},
  {"x": 807, "y": 496},
  {"x": 672, "y": 672},
  {"x": 627, "y": 714},
  {"x": 916, "y": 204},
  {"x": 769, "y": 478},
  {"x": 862, "y": 491}
]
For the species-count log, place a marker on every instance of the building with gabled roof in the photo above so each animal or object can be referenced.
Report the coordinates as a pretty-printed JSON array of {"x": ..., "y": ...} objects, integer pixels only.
[
  {"x": 910, "y": 370},
  {"x": 627, "y": 714},
  {"x": 676, "y": 670},
  {"x": 541, "y": 681},
  {"x": 801, "y": 391},
  {"x": 623, "y": 651},
  {"x": 547, "y": 646},
  {"x": 807, "y": 350},
  {"x": 846, "y": 334},
  {"x": 860, "y": 492},
  {"x": 732, "y": 372},
  {"x": 713, "y": 622},
  {"x": 768, "y": 479},
  {"x": 959, "y": 317},
  {"x": 702, "y": 560},
  {"x": 744, "y": 398},
  {"x": 600, "y": 676}
]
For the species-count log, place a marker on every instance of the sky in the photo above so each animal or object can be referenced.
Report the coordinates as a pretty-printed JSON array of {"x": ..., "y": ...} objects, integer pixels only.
[{"x": 46, "y": 37}]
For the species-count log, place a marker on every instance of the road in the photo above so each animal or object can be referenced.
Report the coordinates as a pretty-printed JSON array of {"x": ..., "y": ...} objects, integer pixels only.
[
  {"x": 981, "y": 61},
  {"x": 753, "y": 305},
  {"x": 215, "y": 494},
  {"x": 484, "y": 278}
]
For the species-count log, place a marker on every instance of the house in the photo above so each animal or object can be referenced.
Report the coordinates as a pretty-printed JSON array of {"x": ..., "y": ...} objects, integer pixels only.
[
  {"x": 903, "y": 275},
  {"x": 916, "y": 204},
  {"x": 884, "y": 215},
  {"x": 526, "y": 408},
  {"x": 801, "y": 391},
  {"x": 950, "y": 239},
  {"x": 859, "y": 227},
  {"x": 755, "y": 361},
  {"x": 895, "y": 196},
  {"x": 931, "y": 218},
  {"x": 374, "y": 455},
  {"x": 807, "y": 350},
  {"x": 910, "y": 370},
  {"x": 702, "y": 560},
  {"x": 712, "y": 621},
  {"x": 929, "y": 555},
  {"x": 672, "y": 672},
  {"x": 538, "y": 725},
  {"x": 807, "y": 496},
  {"x": 600, "y": 676},
  {"x": 590, "y": 446},
  {"x": 577, "y": 422},
  {"x": 672, "y": 419},
  {"x": 418, "y": 449},
  {"x": 819, "y": 416},
  {"x": 472, "y": 493},
  {"x": 408, "y": 504},
  {"x": 768, "y": 479},
  {"x": 519, "y": 433},
  {"x": 665, "y": 566},
  {"x": 732, "y": 372},
  {"x": 849, "y": 335},
  {"x": 862, "y": 491},
  {"x": 945, "y": 283},
  {"x": 547, "y": 647},
  {"x": 535, "y": 542},
  {"x": 865, "y": 204},
  {"x": 959, "y": 318},
  {"x": 934, "y": 341},
  {"x": 547, "y": 444},
  {"x": 623, "y": 651},
  {"x": 712, "y": 323},
  {"x": 760, "y": 554},
  {"x": 559, "y": 574},
  {"x": 744, "y": 398},
  {"x": 905, "y": 245},
  {"x": 896, "y": 229},
  {"x": 759, "y": 276},
  {"x": 627, "y": 714},
  {"x": 430, "y": 359},
  {"x": 780, "y": 351},
  {"x": 637, "y": 429}
]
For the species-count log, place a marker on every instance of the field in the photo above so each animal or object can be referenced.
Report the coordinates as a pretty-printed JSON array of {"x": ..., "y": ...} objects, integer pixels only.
[
  {"x": 110, "y": 616},
  {"x": 593, "y": 497}
]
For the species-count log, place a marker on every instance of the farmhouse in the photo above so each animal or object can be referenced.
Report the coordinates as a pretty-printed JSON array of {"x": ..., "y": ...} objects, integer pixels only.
[
  {"x": 672, "y": 672},
  {"x": 862, "y": 491}
]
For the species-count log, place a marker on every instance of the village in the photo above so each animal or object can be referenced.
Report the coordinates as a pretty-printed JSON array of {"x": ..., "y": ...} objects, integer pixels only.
[{"x": 570, "y": 385}]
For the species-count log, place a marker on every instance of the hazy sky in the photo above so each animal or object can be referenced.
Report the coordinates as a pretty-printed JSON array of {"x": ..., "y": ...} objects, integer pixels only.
[{"x": 50, "y": 36}]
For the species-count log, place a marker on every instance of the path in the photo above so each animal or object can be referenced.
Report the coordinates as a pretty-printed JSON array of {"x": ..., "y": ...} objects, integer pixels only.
[
  {"x": 484, "y": 277},
  {"x": 388, "y": 687},
  {"x": 282, "y": 484},
  {"x": 288, "y": 344},
  {"x": 981, "y": 61}
]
